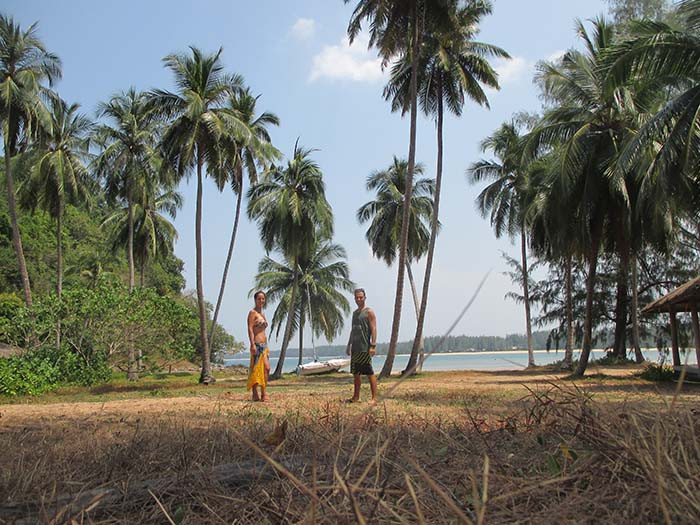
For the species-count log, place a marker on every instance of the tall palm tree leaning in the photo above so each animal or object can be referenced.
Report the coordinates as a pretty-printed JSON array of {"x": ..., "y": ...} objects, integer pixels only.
[
  {"x": 24, "y": 66},
  {"x": 396, "y": 29},
  {"x": 292, "y": 213},
  {"x": 324, "y": 274},
  {"x": 452, "y": 67},
  {"x": 59, "y": 175},
  {"x": 505, "y": 199},
  {"x": 199, "y": 138},
  {"x": 250, "y": 156},
  {"x": 385, "y": 215}
]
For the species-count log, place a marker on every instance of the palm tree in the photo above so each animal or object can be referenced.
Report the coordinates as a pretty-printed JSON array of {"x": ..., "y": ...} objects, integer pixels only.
[
  {"x": 396, "y": 29},
  {"x": 588, "y": 125},
  {"x": 505, "y": 199},
  {"x": 323, "y": 276},
  {"x": 126, "y": 161},
  {"x": 664, "y": 151},
  {"x": 385, "y": 215},
  {"x": 452, "y": 67},
  {"x": 24, "y": 65},
  {"x": 292, "y": 213},
  {"x": 154, "y": 235},
  {"x": 59, "y": 175},
  {"x": 553, "y": 236},
  {"x": 251, "y": 156},
  {"x": 199, "y": 135}
]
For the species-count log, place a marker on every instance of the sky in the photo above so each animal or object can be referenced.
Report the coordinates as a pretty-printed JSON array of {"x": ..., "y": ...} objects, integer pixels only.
[{"x": 328, "y": 96}]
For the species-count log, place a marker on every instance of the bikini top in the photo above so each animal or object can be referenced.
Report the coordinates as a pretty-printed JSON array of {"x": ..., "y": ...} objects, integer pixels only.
[{"x": 260, "y": 321}]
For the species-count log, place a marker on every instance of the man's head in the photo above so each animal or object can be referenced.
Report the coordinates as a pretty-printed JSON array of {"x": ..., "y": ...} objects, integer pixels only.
[{"x": 360, "y": 297}]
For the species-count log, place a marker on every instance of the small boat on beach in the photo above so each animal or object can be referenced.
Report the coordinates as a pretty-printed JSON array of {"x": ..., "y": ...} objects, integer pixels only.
[{"x": 322, "y": 367}]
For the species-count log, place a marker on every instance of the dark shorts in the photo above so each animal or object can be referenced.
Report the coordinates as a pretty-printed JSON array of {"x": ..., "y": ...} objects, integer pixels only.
[{"x": 361, "y": 364}]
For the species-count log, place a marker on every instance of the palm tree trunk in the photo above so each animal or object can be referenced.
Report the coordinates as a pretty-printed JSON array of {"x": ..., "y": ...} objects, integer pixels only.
[
  {"x": 131, "y": 374},
  {"x": 288, "y": 328},
  {"x": 301, "y": 333},
  {"x": 590, "y": 288},
  {"x": 391, "y": 353},
  {"x": 419, "y": 347},
  {"x": 205, "y": 376},
  {"x": 16, "y": 236},
  {"x": 139, "y": 353},
  {"x": 59, "y": 269},
  {"x": 130, "y": 242},
  {"x": 638, "y": 357},
  {"x": 434, "y": 220},
  {"x": 143, "y": 266},
  {"x": 526, "y": 296},
  {"x": 569, "y": 353},
  {"x": 619, "y": 344},
  {"x": 226, "y": 266}
]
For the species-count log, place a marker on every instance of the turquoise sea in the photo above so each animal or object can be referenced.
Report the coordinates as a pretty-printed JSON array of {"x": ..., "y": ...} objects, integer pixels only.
[{"x": 454, "y": 361}]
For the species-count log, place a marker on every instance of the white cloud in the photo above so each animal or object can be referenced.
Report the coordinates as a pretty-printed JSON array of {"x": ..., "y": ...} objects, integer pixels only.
[
  {"x": 556, "y": 56},
  {"x": 304, "y": 28},
  {"x": 344, "y": 61},
  {"x": 513, "y": 70}
]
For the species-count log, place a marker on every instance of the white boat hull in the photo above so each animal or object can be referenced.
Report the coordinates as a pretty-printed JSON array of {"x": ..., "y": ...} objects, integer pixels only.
[{"x": 322, "y": 367}]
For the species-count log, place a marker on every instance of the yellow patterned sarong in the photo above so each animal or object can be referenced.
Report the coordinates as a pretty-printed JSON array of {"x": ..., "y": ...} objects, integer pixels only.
[{"x": 256, "y": 371}]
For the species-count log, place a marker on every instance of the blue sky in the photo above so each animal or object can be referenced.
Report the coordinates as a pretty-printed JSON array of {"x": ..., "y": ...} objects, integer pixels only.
[{"x": 328, "y": 95}]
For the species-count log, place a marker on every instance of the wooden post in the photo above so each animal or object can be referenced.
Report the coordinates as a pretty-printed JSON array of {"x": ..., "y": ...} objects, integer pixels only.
[
  {"x": 674, "y": 338},
  {"x": 696, "y": 333}
]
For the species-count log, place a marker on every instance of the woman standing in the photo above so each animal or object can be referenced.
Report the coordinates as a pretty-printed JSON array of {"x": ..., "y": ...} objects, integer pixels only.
[{"x": 259, "y": 361}]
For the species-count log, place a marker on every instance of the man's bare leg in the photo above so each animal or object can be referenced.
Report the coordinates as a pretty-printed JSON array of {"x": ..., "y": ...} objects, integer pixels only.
[
  {"x": 357, "y": 382},
  {"x": 373, "y": 387}
]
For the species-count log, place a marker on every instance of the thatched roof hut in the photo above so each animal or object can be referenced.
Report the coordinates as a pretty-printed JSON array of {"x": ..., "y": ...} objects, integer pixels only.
[{"x": 685, "y": 298}]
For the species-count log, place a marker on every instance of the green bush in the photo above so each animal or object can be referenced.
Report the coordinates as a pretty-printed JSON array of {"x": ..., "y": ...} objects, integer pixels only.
[
  {"x": 28, "y": 375},
  {"x": 657, "y": 372},
  {"x": 610, "y": 359},
  {"x": 10, "y": 305},
  {"x": 46, "y": 369}
]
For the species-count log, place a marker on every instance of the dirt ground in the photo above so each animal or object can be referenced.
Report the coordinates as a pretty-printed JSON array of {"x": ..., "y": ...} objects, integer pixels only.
[
  {"x": 432, "y": 392},
  {"x": 526, "y": 446}
]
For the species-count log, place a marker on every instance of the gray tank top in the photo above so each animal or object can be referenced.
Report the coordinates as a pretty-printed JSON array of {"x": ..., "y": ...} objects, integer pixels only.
[{"x": 361, "y": 332}]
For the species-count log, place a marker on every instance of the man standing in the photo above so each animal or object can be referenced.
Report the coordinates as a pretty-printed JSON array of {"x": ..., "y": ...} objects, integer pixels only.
[{"x": 362, "y": 346}]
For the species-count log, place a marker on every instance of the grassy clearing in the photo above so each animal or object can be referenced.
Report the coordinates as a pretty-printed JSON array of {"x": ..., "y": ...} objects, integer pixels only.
[{"x": 446, "y": 447}]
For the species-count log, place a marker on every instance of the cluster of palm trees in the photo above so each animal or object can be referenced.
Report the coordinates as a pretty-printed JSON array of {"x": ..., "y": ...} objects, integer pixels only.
[
  {"x": 295, "y": 219},
  {"x": 134, "y": 157},
  {"x": 610, "y": 167},
  {"x": 436, "y": 62}
]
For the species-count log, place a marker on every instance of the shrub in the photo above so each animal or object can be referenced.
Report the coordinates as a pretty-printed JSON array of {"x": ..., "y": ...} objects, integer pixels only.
[
  {"x": 657, "y": 372},
  {"x": 46, "y": 369},
  {"x": 610, "y": 359},
  {"x": 10, "y": 305}
]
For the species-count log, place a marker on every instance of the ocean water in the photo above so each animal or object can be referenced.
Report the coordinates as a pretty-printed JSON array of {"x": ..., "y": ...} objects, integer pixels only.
[{"x": 453, "y": 361}]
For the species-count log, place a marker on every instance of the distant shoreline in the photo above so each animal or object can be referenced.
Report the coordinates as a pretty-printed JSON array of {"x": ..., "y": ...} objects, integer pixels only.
[{"x": 478, "y": 352}]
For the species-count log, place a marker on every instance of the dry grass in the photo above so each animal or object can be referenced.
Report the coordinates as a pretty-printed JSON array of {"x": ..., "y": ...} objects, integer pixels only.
[{"x": 446, "y": 448}]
